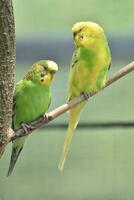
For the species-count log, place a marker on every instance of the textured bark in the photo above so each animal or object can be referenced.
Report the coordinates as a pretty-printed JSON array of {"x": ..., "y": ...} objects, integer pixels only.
[{"x": 7, "y": 62}]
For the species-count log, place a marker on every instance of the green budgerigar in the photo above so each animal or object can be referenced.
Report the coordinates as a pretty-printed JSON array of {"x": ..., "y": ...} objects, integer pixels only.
[
  {"x": 90, "y": 63},
  {"x": 32, "y": 98}
]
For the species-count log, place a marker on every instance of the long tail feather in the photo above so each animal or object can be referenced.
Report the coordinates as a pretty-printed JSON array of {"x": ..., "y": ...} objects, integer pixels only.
[
  {"x": 16, "y": 149},
  {"x": 74, "y": 115},
  {"x": 66, "y": 148},
  {"x": 14, "y": 157}
]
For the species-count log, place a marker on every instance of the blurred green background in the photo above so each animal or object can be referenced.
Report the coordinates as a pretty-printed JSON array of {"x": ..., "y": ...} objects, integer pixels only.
[{"x": 101, "y": 162}]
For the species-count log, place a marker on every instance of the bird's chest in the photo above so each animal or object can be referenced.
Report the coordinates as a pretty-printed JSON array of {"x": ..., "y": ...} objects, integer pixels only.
[
  {"x": 30, "y": 104},
  {"x": 85, "y": 76}
]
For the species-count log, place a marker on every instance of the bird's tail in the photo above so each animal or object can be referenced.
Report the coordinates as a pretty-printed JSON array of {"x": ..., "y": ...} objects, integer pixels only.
[
  {"x": 74, "y": 115},
  {"x": 16, "y": 149}
]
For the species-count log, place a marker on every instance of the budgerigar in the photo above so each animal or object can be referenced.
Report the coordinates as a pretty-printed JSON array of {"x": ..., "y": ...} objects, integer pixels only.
[
  {"x": 90, "y": 63},
  {"x": 32, "y": 98}
]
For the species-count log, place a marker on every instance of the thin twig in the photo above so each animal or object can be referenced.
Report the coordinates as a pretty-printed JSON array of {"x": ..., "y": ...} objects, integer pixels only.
[{"x": 65, "y": 107}]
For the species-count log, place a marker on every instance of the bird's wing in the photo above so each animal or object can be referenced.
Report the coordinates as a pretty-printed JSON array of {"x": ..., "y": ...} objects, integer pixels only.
[
  {"x": 74, "y": 59},
  {"x": 14, "y": 106},
  {"x": 49, "y": 102},
  {"x": 17, "y": 145},
  {"x": 109, "y": 65},
  {"x": 14, "y": 102}
]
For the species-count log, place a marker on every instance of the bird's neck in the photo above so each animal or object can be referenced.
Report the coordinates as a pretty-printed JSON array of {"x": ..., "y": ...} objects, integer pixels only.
[
  {"x": 91, "y": 53},
  {"x": 35, "y": 84}
]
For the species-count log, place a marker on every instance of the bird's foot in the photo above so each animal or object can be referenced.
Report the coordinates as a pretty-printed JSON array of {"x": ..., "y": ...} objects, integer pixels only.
[
  {"x": 27, "y": 127},
  {"x": 86, "y": 95},
  {"x": 47, "y": 117}
]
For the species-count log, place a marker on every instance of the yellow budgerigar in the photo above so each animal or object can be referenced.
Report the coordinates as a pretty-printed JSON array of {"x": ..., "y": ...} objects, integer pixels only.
[{"x": 90, "y": 63}]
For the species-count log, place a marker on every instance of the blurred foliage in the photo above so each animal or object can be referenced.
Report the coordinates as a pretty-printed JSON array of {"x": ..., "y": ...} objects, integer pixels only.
[{"x": 53, "y": 16}]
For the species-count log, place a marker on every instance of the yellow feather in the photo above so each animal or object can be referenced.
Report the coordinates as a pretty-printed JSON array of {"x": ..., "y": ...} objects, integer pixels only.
[
  {"x": 74, "y": 116},
  {"x": 88, "y": 72}
]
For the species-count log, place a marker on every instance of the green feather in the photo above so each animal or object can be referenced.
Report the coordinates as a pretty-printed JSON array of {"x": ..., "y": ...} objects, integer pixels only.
[{"x": 32, "y": 98}]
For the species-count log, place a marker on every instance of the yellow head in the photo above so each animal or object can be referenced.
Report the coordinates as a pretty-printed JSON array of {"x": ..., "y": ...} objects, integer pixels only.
[
  {"x": 87, "y": 33},
  {"x": 42, "y": 72}
]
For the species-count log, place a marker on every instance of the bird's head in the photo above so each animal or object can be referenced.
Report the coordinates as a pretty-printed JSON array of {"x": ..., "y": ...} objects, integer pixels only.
[
  {"x": 86, "y": 34},
  {"x": 42, "y": 72}
]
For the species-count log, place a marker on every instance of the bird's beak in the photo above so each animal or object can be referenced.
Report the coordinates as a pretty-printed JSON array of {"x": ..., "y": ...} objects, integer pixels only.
[
  {"x": 53, "y": 70},
  {"x": 52, "y": 66}
]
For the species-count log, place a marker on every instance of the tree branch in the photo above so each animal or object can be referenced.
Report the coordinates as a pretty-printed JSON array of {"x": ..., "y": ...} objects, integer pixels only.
[
  {"x": 65, "y": 107},
  {"x": 7, "y": 60}
]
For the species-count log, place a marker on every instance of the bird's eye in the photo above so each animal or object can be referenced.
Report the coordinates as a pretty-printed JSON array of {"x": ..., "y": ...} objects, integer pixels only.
[{"x": 42, "y": 75}]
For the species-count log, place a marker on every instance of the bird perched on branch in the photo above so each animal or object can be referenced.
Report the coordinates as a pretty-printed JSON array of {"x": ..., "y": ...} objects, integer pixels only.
[
  {"x": 90, "y": 63},
  {"x": 32, "y": 98}
]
